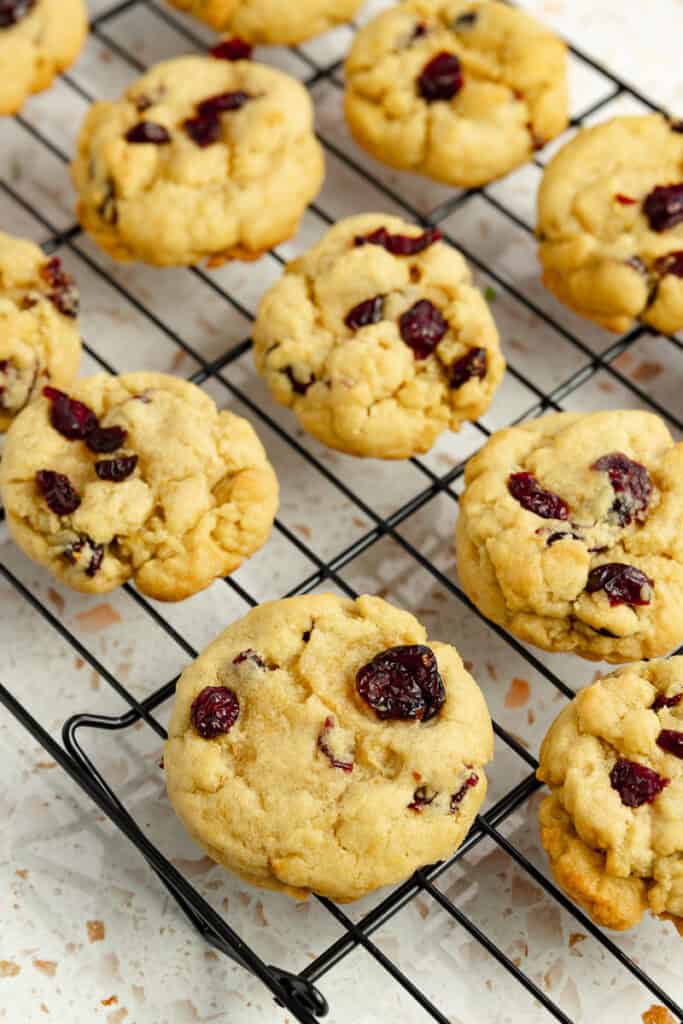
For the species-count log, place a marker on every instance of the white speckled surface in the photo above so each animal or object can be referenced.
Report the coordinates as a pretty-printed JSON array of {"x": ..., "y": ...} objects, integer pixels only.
[{"x": 86, "y": 931}]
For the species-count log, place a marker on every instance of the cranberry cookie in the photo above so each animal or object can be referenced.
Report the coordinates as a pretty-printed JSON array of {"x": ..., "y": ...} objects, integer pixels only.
[
  {"x": 38, "y": 39},
  {"x": 461, "y": 91},
  {"x": 202, "y": 158},
  {"x": 271, "y": 21},
  {"x": 322, "y": 744},
  {"x": 613, "y": 826},
  {"x": 570, "y": 534},
  {"x": 136, "y": 476},
  {"x": 378, "y": 340},
  {"x": 610, "y": 223},
  {"x": 39, "y": 338}
]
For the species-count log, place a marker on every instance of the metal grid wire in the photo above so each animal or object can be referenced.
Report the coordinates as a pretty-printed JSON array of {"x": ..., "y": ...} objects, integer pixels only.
[{"x": 299, "y": 993}]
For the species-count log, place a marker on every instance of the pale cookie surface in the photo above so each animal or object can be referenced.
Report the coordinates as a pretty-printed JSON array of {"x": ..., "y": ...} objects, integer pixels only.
[
  {"x": 271, "y": 21},
  {"x": 201, "y": 158},
  {"x": 140, "y": 477},
  {"x": 38, "y": 39},
  {"x": 613, "y": 825},
  {"x": 610, "y": 223},
  {"x": 375, "y": 349},
  {"x": 39, "y": 338},
  {"x": 459, "y": 91},
  {"x": 570, "y": 534},
  {"x": 309, "y": 789}
]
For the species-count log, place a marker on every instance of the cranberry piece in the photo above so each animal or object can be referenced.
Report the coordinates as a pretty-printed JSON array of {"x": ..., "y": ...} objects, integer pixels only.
[
  {"x": 420, "y": 30},
  {"x": 525, "y": 488},
  {"x": 299, "y": 387},
  {"x": 71, "y": 418},
  {"x": 625, "y": 200},
  {"x": 249, "y": 655},
  {"x": 203, "y": 130},
  {"x": 116, "y": 470},
  {"x": 400, "y": 245},
  {"x": 670, "y": 264},
  {"x": 677, "y": 126},
  {"x": 221, "y": 103},
  {"x": 421, "y": 798},
  {"x": 12, "y": 11},
  {"x": 458, "y": 797},
  {"x": 214, "y": 711},
  {"x": 365, "y": 313},
  {"x": 666, "y": 702},
  {"x": 473, "y": 364},
  {"x": 671, "y": 741},
  {"x": 60, "y": 495},
  {"x": 464, "y": 21},
  {"x": 64, "y": 294},
  {"x": 635, "y": 783},
  {"x": 104, "y": 440},
  {"x": 422, "y": 328},
  {"x": 95, "y": 558},
  {"x": 232, "y": 49},
  {"x": 148, "y": 131},
  {"x": 664, "y": 207},
  {"x": 325, "y": 748},
  {"x": 441, "y": 78},
  {"x": 623, "y": 584},
  {"x": 402, "y": 682},
  {"x": 561, "y": 535},
  {"x": 87, "y": 544},
  {"x": 632, "y": 484}
]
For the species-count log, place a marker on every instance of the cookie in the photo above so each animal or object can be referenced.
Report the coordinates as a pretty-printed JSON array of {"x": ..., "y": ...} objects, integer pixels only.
[
  {"x": 610, "y": 223},
  {"x": 139, "y": 477},
  {"x": 570, "y": 534},
  {"x": 613, "y": 824},
  {"x": 38, "y": 39},
  {"x": 39, "y": 338},
  {"x": 271, "y": 21},
  {"x": 322, "y": 744},
  {"x": 377, "y": 339},
  {"x": 202, "y": 158},
  {"x": 461, "y": 91}
]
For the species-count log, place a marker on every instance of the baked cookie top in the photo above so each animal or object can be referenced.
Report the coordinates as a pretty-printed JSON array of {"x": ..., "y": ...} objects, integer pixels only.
[
  {"x": 136, "y": 476},
  {"x": 378, "y": 340},
  {"x": 458, "y": 90},
  {"x": 38, "y": 39},
  {"x": 271, "y": 21},
  {"x": 569, "y": 533},
  {"x": 39, "y": 338},
  {"x": 202, "y": 157},
  {"x": 610, "y": 223},
  {"x": 614, "y": 824},
  {"x": 325, "y": 744}
]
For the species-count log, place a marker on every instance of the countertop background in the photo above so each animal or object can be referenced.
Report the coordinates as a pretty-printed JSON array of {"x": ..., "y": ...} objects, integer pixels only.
[{"x": 86, "y": 932}]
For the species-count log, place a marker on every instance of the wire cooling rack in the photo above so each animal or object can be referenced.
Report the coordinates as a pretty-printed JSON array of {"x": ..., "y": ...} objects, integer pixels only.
[{"x": 555, "y": 360}]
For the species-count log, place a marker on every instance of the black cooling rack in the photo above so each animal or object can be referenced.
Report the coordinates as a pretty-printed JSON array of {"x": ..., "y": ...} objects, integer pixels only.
[{"x": 299, "y": 993}]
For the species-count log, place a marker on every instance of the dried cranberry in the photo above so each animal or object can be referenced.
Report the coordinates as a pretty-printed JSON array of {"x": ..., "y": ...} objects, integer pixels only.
[
  {"x": 87, "y": 544},
  {"x": 631, "y": 482},
  {"x": 625, "y": 200},
  {"x": 298, "y": 386},
  {"x": 664, "y": 207},
  {"x": 232, "y": 49},
  {"x": 525, "y": 488},
  {"x": 422, "y": 328},
  {"x": 95, "y": 559},
  {"x": 458, "y": 797},
  {"x": 677, "y": 126},
  {"x": 116, "y": 470},
  {"x": 71, "y": 418},
  {"x": 402, "y": 682},
  {"x": 64, "y": 294},
  {"x": 324, "y": 746},
  {"x": 670, "y": 264},
  {"x": 249, "y": 655},
  {"x": 222, "y": 103},
  {"x": 561, "y": 535},
  {"x": 671, "y": 741},
  {"x": 623, "y": 584},
  {"x": 666, "y": 702},
  {"x": 466, "y": 20},
  {"x": 60, "y": 495},
  {"x": 203, "y": 130},
  {"x": 214, "y": 711},
  {"x": 149, "y": 132},
  {"x": 420, "y": 30},
  {"x": 400, "y": 245},
  {"x": 635, "y": 783},
  {"x": 104, "y": 440},
  {"x": 441, "y": 78},
  {"x": 12, "y": 11},
  {"x": 421, "y": 798},
  {"x": 472, "y": 364},
  {"x": 365, "y": 313}
]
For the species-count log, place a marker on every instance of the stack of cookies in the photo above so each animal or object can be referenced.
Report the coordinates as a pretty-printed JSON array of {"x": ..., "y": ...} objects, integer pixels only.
[{"x": 325, "y": 744}]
